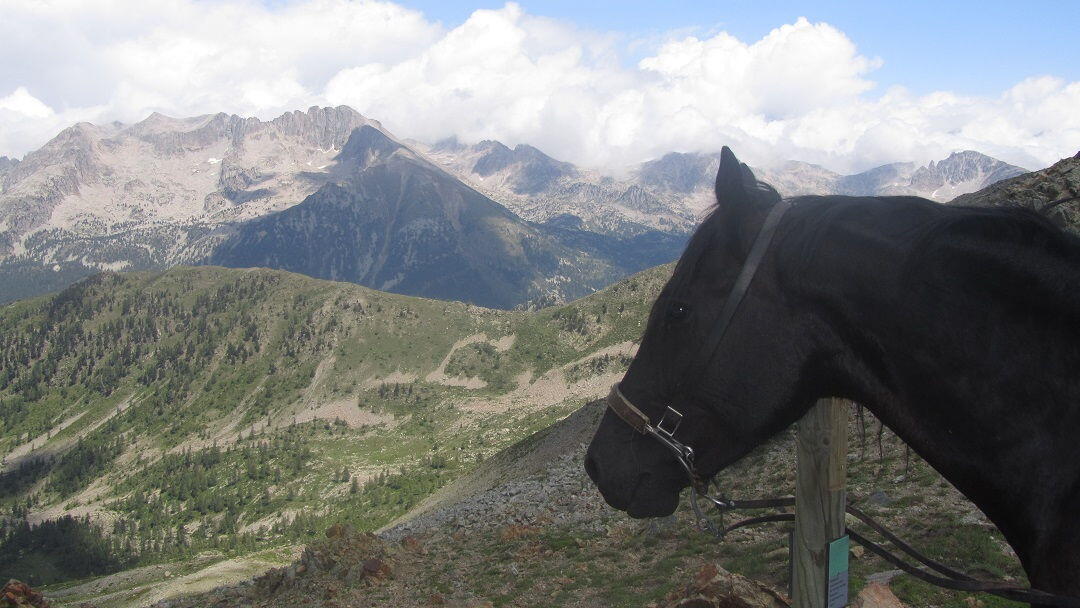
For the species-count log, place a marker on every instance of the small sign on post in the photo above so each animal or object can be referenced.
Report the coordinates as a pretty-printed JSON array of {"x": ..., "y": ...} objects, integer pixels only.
[{"x": 838, "y": 573}]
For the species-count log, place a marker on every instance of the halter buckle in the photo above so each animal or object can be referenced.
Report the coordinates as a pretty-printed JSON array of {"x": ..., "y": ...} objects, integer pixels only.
[{"x": 669, "y": 422}]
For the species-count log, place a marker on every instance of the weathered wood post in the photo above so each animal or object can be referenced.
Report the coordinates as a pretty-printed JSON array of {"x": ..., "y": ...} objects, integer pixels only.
[{"x": 820, "y": 496}]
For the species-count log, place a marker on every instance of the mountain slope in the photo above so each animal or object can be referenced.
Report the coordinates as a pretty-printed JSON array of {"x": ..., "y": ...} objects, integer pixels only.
[
  {"x": 247, "y": 406},
  {"x": 138, "y": 196},
  {"x": 396, "y": 222},
  {"x": 1035, "y": 191},
  {"x": 528, "y": 528},
  {"x": 542, "y": 189}
]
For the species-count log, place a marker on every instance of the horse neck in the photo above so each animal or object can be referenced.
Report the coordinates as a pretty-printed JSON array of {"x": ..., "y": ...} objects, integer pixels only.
[{"x": 954, "y": 375}]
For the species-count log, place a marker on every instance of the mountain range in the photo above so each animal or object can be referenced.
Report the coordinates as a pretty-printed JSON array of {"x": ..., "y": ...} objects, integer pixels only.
[{"x": 332, "y": 194}]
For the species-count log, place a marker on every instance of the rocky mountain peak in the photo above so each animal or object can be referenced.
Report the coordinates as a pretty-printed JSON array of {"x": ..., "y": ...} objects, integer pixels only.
[
  {"x": 496, "y": 157},
  {"x": 1035, "y": 191},
  {"x": 328, "y": 127},
  {"x": 681, "y": 172},
  {"x": 6, "y": 165},
  {"x": 177, "y": 136},
  {"x": 533, "y": 171},
  {"x": 968, "y": 170},
  {"x": 74, "y": 151},
  {"x": 366, "y": 146},
  {"x": 449, "y": 144}
]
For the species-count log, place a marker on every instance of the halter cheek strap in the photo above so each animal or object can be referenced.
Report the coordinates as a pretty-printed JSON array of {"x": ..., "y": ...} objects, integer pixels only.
[
  {"x": 738, "y": 290},
  {"x": 626, "y": 410}
]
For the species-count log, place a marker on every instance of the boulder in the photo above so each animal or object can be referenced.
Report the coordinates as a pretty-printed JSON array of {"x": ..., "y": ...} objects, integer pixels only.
[
  {"x": 345, "y": 556},
  {"x": 17, "y": 594},
  {"x": 714, "y": 587},
  {"x": 877, "y": 595}
]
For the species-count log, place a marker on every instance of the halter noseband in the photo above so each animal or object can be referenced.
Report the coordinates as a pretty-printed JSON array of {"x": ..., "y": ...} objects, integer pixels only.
[{"x": 664, "y": 430}]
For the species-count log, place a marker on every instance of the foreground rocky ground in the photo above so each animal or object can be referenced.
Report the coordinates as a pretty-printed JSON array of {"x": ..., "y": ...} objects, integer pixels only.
[{"x": 528, "y": 529}]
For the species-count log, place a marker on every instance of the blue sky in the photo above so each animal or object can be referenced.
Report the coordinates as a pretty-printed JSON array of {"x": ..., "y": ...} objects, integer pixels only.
[
  {"x": 603, "y": 84},
  {"x": 964, "y": 46}
]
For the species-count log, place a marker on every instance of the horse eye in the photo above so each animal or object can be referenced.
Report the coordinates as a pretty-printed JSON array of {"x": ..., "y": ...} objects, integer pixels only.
[{"x": 678, "y": 311}]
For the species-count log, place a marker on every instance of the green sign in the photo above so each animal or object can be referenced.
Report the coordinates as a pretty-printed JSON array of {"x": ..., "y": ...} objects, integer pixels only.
[{"x": 838, "y": 573}]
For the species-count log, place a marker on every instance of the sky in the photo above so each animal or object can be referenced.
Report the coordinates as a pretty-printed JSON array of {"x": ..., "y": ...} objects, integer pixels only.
[{"x": 603, "y": 84}]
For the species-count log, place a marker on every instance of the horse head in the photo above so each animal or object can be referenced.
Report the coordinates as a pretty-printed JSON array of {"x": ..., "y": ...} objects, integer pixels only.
[{"x": 732, "y": 394}]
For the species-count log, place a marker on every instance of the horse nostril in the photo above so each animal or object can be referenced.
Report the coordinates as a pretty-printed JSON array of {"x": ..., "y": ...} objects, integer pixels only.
[{"x": 590, "y": 468}]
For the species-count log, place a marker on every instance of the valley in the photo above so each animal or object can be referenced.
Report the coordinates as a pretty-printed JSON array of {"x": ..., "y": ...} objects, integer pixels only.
[
  {"x": 210, "y": 409},
  {"x": 206, "y": 403}
]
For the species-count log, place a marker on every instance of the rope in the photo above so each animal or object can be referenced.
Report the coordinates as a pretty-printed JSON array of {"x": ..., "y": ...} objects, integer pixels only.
[{"x": 949, "y": 579}]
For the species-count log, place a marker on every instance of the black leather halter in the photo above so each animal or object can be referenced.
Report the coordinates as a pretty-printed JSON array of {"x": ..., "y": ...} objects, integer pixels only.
[{"x": 664, "y": 430}]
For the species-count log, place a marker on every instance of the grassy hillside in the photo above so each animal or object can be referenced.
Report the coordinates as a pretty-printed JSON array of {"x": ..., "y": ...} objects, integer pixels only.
[{"x": 206, "y": 409}]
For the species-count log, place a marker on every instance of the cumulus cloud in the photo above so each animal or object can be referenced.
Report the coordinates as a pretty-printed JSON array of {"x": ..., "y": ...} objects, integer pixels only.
[
  {"x": 803, "y": 91},
  {"x": 110, "y": 60}
]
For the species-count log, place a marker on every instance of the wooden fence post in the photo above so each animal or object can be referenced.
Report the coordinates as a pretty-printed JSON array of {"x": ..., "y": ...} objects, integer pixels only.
[{"x": 820, "y": 497}]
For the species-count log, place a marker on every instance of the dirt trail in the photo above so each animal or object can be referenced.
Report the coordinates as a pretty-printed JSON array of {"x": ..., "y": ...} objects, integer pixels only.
[
  {"x": 40, "y": 446},
  {"x": 345, "y": 410},
  {"x": 553, "y": 388},
  {"x": 150, "y": 584}
]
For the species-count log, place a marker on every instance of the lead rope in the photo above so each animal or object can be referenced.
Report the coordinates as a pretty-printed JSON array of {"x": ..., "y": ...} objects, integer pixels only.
[{"x": 949, "y": 579}]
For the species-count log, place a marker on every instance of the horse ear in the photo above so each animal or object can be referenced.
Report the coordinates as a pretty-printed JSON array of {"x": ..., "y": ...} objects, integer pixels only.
[
  {"x": 738, "y": 193},
  {"x": 732, "y": 194}
]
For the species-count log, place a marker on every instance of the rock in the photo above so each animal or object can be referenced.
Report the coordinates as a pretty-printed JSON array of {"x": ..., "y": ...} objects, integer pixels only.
[
  {"x": 714, "y": 587},
  {"x": 877, "y": 595},
  {"x": 857, "y": 551},
  {"x": 880, "y": 498},
  {"x": 17, "y": 594},
  {"x": 377, "y": 568},
  {"x": 412, "y": 544},
  {"x": 345, "y": 555},
  {"x": 777, "y": 553},
  {"x": 515, "y": 531}
]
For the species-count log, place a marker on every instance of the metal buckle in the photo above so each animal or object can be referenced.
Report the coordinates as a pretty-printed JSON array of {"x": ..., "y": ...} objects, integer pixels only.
[{"x": 676, "y": 420}]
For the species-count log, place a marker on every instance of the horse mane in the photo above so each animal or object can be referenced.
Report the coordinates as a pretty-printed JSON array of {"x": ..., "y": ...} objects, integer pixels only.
[
  {"x": 1013, "y": 253},
  {"x": 1016, "y": 254}
]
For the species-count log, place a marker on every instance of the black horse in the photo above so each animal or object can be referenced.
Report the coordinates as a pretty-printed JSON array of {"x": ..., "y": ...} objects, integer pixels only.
[{"x": 958, "y": 327}]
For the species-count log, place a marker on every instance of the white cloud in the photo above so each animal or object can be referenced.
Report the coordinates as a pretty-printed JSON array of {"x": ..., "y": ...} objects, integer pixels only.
[
  {"x": 803, "y": 91},
  {"x": 122, "y": 59},
  {"x": 22, "y": 102}
]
